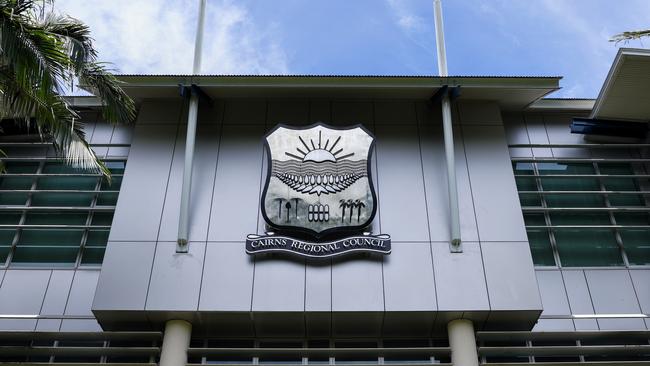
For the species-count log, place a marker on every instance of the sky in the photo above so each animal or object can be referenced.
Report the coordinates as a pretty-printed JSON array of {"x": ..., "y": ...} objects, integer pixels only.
[{"x": 566, "y": 38}]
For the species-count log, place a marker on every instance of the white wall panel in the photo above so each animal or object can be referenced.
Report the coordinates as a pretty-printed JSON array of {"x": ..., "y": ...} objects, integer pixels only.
[
  {"x": 227, "y": 283},
  {"x": 408, "y": 278},
  {"x": 551, "y": 288},
  {"x": 82, "y": 292},
  {"x": 357, "y": 285},
  {"x": 23, "y": 291},
  {"x": 279, "y": 285}
]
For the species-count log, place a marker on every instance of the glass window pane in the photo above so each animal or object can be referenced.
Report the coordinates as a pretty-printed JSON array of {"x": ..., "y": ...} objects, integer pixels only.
[
  {"x": 637, "y": 245},
  {"x": 62, "y": 168},
  {"x": 575, "y": 200},
  {"x": 55, "y": 256},
  {"x": 67, "y": 183},
  {"x": 97, "y": 238},
  {"x": 59, "y": 218},
  {"x": 93, "y": 255},
  {"x": 116, "y": 167},
  {"x": 4, "y": 252},
  {"x": 7, "y": 236},
  {"x": 102, "y": 218},
  {"x": 626, "y": 200},
  {"x": 107, "y": 199},
  {"x": 58, "y": 237},
  {"x": 570, "y": 184},
  {"x": 9, "y": 218},
  {"x": 618, "y": 169},
  {"x": 566, "y": 218},
  {"x": 592, "y": 247},
  {"x": 534, "y": 219},
  {"x": 530, "y": 199},
  {"x": 566, "y": 168},
  {"x": 113, "y": 185},
  {"x": 21, "y": 168},
  {"x": 632, "y": 218},
  {"x": 540, "y": 247},
  {"x": 62, "y": 199},
  {"x": 16, "y": 182},
  {"x": 13, "y": 198}
]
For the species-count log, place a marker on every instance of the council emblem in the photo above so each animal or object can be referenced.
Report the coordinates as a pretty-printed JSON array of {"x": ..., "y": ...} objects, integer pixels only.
[{"x": 319, "y": 183}]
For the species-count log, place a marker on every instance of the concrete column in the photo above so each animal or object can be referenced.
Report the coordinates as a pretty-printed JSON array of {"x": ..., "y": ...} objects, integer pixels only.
[
  {"x": 176, "y": 341},
  {"x": 462, "y": 342}
]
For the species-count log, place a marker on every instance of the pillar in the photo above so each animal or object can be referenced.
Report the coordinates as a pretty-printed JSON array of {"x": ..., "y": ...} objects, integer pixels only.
[
  {"x": 176, "y": 341},
  {"x": 462, "y": 342}
]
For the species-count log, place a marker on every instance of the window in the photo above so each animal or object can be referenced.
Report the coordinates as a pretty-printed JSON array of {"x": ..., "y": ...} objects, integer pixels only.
[
  {"x": 585, "y": 212},
  {"x": 53, "y": 215}
]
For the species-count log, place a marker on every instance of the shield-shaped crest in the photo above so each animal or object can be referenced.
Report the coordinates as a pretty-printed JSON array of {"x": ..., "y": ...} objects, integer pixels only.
[{"x": 319, "y": 179}]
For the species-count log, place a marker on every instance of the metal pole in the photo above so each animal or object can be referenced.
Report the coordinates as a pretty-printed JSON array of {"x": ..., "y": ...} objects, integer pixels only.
[
  {"x": 454, "y": 212},
  {"x": 184, "y": 215}
]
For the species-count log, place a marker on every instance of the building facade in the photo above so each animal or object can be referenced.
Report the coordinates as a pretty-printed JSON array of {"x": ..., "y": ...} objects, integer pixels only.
[{"x": 554, "y": 208}]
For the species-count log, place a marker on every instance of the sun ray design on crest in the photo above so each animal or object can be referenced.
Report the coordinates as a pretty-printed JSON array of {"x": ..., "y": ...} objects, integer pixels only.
[
  {"x": 320, "y": 168},
  {"x": 319, "y": 154}
]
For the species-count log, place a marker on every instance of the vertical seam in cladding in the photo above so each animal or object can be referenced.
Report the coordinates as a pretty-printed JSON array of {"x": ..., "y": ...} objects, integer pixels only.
[
  {"x": 461, "y": 131},
  {"x": 591, "y": 300},
  {"x": 548, "y": 138},
  {"x": 426, "y": 201},
  {"x": 67, "y": 299},
  {"x": 214, "y": 181},
  {"x": 566, "y": 293},
  {"x": 636, "y": 295},
  {"x": 162, "y": 211},
  {"x": 47, "y": 287}
]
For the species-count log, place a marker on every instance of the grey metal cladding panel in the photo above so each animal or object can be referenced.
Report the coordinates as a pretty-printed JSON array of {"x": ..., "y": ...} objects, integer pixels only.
[
  {"x": 82, "y": 292},
  {"x": 612, "y": 292},
  {"x": 345, "y": 113},
  {"x": 551, "y": 288},
  {"x": 139, "y": 206},
  {"x": 22, "y": 291},
  {"x": 537, "y": 134},
  {"x": 17, "y": 324},
  {"x": 227, "y": 283},
  {"x": 585, "y": 324},
  {"x": 357, "y": 285},
  {"x": 516, "y": 133},
  {"x": 577, "y": 292},
  {"x": 318, "y": 286},
  {"x": 80, "y": 325},
  {"x": 122, "y": 134},
  {"x": 245, "y": 111},
  {"x": 235, "y": 203},
  {"x": 178, "y": 274},
  {"x": 48, "y": 325},
  {"x": 460, "y": 281},
  {"x": 320, "y": 110},
  {"x": 641, "y": 281},
  {"x": 399, "y": 168},
  {"x": 279, "y": 285},
  {"x": 102, "y": 133},
  {"x": 435, "y": 180},
  {"x": 408, "y": 278},
  {"x": 124, "y": 277},
  {"x": 559, "y": 132},
  {"x": 203, "y": 172},
  {"x": 621, "y": 324},
  {"x": 288, "y": 112},
  {"x": 510, "y": 276},
  {"x": 498, "y": 211},
  {"x": 395, "y": 112},
  {"x": 161, "y": 111},
  {"x": 554, "y": 325},
  {"x": 57, "y": 293},
  {"x": 479, "y": 113}
]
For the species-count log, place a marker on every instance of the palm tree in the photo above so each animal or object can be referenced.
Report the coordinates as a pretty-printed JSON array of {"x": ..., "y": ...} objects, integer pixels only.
[
  {"x": 630, "y": 35},
  {"x": 41, "y": 52}
]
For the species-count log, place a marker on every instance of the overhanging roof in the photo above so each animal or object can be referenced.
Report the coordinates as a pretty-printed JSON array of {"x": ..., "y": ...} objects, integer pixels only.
[
  {"x": 624, "y": 95},
  {"x": 509, "y": 92}
]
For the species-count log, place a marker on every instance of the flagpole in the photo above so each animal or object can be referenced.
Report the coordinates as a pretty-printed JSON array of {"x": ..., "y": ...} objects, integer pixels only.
[
  {"x": 454, "y": 212},
  {"x": 184, "y": 215}
]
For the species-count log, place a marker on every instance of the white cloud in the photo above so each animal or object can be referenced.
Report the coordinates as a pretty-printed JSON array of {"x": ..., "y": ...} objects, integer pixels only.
[
  {"x": 157, "y": 36},
  {"x": 404, "y": 17}
]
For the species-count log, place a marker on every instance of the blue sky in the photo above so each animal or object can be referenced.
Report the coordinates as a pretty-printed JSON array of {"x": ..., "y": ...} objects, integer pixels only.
[{"x": 381, "y": 37}]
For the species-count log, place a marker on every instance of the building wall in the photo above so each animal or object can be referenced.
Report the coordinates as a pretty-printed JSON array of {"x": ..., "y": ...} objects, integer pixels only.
[
  {"x": 421, "y": 278},
  {"x": 569, "y": 291}
]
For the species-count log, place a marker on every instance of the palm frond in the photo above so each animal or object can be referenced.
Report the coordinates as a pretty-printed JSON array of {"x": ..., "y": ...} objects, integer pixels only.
[
  {"x": 630, "y": 35},
  {"x": 118, "y": 107},
  {"x": 74, "y": 34}
]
